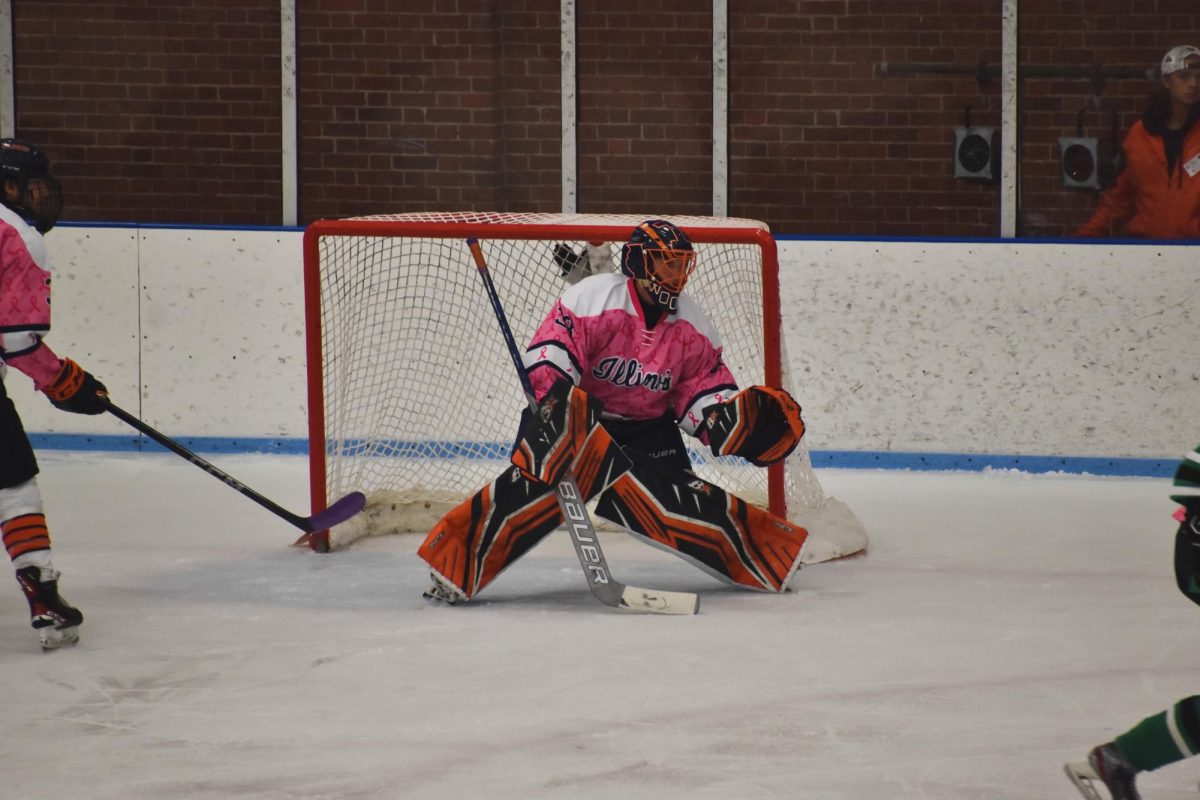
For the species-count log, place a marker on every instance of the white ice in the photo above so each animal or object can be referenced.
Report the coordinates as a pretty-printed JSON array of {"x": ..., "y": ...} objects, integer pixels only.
[{"x": 1001, "y": 624}]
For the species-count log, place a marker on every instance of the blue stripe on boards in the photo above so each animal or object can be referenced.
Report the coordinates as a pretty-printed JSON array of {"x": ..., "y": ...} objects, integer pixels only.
[
  {"x": 801, "y": 237},
  {"x": 137, "y": 443},
  {"x": 977, "y": 462},
  {"x": 821, "y": 459}
]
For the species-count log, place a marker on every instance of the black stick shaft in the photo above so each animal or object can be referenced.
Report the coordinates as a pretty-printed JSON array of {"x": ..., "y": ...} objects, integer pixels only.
[{"x": 331, "y": 516}]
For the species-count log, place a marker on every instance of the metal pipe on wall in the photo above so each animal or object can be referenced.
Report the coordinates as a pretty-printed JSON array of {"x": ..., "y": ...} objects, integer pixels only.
[
  {"x": 8, "y": 105},
  {"x": 289, "y": 149},
  {"x": 1010, "y": 96},
  {"x": 720, "y": 101},
  {"x": 570, "y": 163}
]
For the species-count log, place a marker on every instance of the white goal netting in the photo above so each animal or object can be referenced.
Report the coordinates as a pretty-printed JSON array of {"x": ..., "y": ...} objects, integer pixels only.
[{"x": 413, "y": 396}]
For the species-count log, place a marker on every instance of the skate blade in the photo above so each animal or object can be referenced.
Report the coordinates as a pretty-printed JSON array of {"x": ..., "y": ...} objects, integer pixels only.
[
  {"x": 436, "y": 598},
  {"x": 1084, "y": 778},
  {"x": 55, "y": 638}
]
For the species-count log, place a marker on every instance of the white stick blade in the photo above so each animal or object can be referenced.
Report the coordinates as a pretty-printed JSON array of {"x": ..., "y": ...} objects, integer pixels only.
[{"x": 653, "y": 601}]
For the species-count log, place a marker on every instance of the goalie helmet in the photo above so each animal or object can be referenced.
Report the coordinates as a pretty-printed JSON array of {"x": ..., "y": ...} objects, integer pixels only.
[
  {"x": 35, "y": 194},
  {"x": 659, "y": 256}
]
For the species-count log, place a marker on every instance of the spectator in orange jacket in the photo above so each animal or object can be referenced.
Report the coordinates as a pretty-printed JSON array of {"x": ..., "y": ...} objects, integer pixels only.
[{"x": 1157, "y": 195}]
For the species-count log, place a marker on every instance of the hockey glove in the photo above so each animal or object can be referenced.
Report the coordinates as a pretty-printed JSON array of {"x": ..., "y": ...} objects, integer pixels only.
[
  {"x": 77, "y": 391},
  {"x": 568, "y": 260},
  {"x": 760, "y": 424},
  {"x": 575, "y": 266},
  {"x": 553, "y": 435},
  {"x": 1187, "y": 551}
]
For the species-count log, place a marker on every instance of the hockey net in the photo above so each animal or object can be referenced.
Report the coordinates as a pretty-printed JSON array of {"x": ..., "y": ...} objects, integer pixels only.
[{"x": 412, "y": 395}]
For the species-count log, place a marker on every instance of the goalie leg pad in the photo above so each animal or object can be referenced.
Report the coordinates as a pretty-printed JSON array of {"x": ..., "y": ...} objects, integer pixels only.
[
  {"x": 761, "y": 424},
  {"x": 600, "y": 462},
  {"x": 482, "y": 536},
  {"x": 553, "y": 436},
  {"x": 719, "y": 532},
  {"x": 478, "y": 539}
]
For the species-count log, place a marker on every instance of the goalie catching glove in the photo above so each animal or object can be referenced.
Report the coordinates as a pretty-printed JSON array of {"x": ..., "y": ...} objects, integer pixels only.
[
  {"x": 760, "y": 424},
  {"x": 575, "y": 265},
  {"x": 563, "y": 434},
  {"x": 77, "y": 391}
]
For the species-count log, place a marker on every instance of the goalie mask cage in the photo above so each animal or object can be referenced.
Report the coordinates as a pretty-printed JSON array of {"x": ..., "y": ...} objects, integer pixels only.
[{"x": 412, "y": 396}]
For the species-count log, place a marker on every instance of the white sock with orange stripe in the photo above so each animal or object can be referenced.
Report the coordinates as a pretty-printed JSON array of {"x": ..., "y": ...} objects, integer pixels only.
[{"x": 23, "y": 525}]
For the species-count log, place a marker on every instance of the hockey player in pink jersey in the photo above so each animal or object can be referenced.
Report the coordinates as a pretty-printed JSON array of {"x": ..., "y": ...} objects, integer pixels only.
[
  {"x": 622, "y": 366},
  {"x": 32, "y": 201}
]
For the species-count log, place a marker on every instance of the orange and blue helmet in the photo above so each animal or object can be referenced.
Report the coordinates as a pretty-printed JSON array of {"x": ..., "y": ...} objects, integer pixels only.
[{"x": 659, "y": 256}]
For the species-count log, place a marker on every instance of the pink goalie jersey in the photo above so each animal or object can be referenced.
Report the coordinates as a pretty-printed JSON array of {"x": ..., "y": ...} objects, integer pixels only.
[{"x": 596, "y": 336}]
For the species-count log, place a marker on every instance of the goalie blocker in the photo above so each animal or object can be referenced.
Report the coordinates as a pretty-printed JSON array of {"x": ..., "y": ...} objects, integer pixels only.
[{"x": 654, "y": 497}]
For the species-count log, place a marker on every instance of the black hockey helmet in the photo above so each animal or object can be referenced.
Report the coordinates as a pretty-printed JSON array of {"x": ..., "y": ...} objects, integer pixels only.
[
  {"x": 36, "y": 194},
  {"x": 659, "y": 256}
]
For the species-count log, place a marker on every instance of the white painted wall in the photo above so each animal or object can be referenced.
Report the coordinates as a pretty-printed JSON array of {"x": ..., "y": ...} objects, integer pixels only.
[
  {"x": 199, "y": 332},
  {"x": 1033, "y": 349}
]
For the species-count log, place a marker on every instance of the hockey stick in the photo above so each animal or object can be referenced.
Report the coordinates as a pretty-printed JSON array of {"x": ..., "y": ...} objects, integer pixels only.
[
  {"x": 604, "y": 586},
  {"x": 340, "y": 511}
]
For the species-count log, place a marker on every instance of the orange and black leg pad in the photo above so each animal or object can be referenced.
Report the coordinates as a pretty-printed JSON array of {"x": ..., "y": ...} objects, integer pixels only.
[
  {"x": 487, "y": 532},
  {"x": 554, "y": 436},
  {"x": 702, "y": 523}
]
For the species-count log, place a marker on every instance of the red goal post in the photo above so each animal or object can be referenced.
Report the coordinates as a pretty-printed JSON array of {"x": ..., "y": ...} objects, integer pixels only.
[{"x": 411, "y": 396}]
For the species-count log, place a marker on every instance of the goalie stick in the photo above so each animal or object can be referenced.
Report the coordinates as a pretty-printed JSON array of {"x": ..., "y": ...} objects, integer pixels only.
[
  {"x": 340, "y": 511},
  {"x": 604, "y": 586}
]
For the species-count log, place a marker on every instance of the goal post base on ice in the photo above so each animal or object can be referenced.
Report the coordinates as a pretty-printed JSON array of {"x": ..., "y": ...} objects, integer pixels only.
[{"x": 411, "y": 397}]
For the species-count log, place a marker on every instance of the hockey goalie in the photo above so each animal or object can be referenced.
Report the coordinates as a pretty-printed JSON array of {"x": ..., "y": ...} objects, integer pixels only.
[{"x": 622, "y": 366}]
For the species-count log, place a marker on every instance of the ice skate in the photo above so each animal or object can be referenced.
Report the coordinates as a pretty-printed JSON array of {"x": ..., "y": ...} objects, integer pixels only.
[
  {"x": 441, "y": 591},
  {"x": 56, "y": 622},
  {"x": 1105, "y": 765}
]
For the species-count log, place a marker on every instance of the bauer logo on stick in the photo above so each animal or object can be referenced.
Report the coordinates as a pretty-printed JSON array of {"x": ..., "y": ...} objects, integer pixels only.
[{"x": 583, "y": 531}]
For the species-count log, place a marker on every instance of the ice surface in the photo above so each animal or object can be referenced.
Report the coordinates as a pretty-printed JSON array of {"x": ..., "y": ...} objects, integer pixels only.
[{"x": 1001, "y": 624}]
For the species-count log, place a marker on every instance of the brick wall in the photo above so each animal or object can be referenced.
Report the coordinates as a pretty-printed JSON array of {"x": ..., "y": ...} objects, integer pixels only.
[
  {"x": 168, "y": 110},
  {"x": 824, "y": 142},
  {"x": 417, "y": 108},
  {"x": 645, "y": 106},
  {"x": 156, "y": 110}
]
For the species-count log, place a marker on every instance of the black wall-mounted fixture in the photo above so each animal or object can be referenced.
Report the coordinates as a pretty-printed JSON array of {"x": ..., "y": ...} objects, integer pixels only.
[
  {"x": 1079, "y": 158},
  {"x": 1088, "y": 163},
  {"x": 976, "y": 151}
]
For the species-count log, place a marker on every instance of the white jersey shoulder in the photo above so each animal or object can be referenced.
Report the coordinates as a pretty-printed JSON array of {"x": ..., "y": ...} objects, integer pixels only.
[
  {"x": 599, "y": 293},
  {"x": 610, "y": 291},
  {"x": 34, "y": 242},
  {"x": 689, "y": 311}
]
